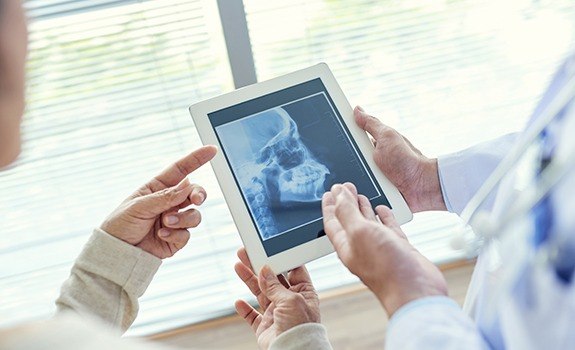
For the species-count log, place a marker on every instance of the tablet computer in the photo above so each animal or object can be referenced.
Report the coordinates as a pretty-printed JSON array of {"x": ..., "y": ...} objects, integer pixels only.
[{"x": 283, "y": 143}]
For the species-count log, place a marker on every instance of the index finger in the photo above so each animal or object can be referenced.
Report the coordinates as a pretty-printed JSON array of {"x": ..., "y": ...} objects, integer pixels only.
[
  {"x": 333, "y": 229},
  {"x": 176, "y": 172},
  {"x": 251, "y": 281},
  {"x": 299, "y": 275},
  {"x": 347, "y": 209},
  {"x": 243, "y": 256}
]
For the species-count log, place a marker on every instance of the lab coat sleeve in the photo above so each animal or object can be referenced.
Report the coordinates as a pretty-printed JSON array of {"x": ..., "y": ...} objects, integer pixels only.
[
  {"x": 107, "y": 279},
  {"x": 462, "y": 173},
  {"x": 433, "y": 323}
]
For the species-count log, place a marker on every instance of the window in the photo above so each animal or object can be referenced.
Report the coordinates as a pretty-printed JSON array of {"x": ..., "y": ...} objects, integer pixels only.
[
  {"x": 446, "y": 74},
  {"x": 109, "y": 86}
]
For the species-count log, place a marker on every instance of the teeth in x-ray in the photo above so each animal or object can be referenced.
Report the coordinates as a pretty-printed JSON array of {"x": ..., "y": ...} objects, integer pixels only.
[{"x": 304, "y": 183}]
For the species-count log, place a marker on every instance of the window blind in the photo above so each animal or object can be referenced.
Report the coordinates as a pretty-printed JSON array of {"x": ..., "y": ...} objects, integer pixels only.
[
  {"x": 109, "y": 86},
  {"x": 446, "y": 74}
]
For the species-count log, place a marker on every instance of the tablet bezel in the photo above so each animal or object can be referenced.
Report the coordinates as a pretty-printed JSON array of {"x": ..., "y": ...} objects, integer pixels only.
[{"x": 318, "y": 247}]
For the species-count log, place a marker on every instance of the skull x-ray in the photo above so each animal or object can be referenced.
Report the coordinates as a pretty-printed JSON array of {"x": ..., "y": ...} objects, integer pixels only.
[
  {"x": 273, "y": 166},
  {"x": 283, "y": 162}
]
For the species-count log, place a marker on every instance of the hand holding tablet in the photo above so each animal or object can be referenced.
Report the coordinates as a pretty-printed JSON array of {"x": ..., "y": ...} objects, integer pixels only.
[{"x": 284, "y": 143}]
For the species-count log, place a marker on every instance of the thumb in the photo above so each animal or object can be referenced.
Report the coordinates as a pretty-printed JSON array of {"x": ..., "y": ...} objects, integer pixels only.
[
  {"x": 158, "y": 202},
  {"x": 271, "y": 286},
  {"x": 369, "y": 123},
  {"x": 360, "y": 117}
]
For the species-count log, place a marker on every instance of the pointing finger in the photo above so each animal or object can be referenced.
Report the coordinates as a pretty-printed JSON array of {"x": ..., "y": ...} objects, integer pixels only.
[{"x": 174, "y": 173}]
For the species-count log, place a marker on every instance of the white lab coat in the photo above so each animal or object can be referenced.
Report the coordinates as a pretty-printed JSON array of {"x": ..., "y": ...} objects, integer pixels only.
[{"x": 515, "y": 301}]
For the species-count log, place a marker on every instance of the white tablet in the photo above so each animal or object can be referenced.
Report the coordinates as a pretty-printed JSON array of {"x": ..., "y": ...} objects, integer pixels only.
[{"x": 283, "y": 143}]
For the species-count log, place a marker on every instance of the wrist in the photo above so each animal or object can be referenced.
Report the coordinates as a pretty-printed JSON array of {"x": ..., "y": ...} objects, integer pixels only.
[{"x": 427, "y": 193}]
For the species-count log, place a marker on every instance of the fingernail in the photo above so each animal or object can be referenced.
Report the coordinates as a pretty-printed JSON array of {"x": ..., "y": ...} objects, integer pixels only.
[
  {"x": 360, "y": 109},
  {"x": 202, "y": 197},
  {"x": 163, "y": 233},
  {"x": 172, "y": 219}
]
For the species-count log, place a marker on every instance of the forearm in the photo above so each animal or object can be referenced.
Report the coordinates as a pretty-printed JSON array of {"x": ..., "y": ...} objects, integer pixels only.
[{"x": 107, "y": 279}]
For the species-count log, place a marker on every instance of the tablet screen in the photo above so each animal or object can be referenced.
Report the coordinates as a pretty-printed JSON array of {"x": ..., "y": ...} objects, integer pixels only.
[{"x": 285, "y": 150}]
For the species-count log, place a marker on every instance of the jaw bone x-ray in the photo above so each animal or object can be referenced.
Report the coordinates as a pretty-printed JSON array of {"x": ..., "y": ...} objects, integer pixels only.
[{"x": 273, "y": 165}]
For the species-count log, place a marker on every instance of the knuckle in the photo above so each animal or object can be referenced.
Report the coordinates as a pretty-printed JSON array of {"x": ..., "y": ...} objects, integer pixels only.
[
  {"x": 181, "y": 168},
  {"x": 387, "y": 132},
  {"x": 170, "y": 196}
]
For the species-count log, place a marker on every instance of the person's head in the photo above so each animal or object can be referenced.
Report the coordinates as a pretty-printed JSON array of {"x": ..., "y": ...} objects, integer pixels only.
[{"x": 13, "y": 49}]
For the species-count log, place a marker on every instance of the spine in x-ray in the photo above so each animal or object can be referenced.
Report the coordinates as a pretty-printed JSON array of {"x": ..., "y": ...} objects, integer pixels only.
[{"x": 259, "y": 202}]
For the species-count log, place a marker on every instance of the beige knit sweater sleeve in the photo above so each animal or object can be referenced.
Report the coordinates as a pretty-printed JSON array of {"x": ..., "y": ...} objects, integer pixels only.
[
  {"x": 107, "y": 279},
  {"x": 105, "y": 282}
]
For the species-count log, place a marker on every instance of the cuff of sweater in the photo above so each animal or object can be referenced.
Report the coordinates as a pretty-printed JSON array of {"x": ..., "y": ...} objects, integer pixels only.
[
  {"x": 117, "y": 261},
  {"x": 303, "y": 336}
]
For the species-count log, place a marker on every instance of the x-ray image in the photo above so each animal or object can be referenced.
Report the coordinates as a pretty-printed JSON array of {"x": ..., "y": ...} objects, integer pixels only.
[{"x": 283, "y": 162}]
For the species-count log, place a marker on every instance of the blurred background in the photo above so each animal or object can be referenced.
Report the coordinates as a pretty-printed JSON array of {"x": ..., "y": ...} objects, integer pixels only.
[{"x": 109, "y": 83}]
